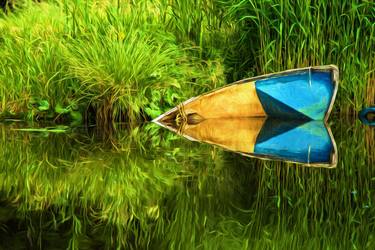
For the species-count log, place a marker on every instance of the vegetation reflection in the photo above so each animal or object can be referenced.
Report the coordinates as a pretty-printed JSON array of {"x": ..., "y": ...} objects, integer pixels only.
[{"x": 149, "y": 188}]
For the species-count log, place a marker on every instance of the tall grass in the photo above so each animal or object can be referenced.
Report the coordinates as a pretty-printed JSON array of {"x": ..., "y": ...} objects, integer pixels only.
[
  {"x": 146, "y": 188},
  {"x": 279, "y": 35},
  {"x": 120, "y": 62}
]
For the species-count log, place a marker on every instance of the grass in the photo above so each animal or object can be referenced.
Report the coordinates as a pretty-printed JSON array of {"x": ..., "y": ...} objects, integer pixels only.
[
  {"x": 114, "y": 63},
  {"x": 106, "y": 61},
  {"x": 278, "y": 35}
]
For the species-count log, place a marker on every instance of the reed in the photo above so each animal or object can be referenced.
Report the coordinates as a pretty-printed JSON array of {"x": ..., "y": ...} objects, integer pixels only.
[
  {"x": 106, "y": 61},
  {"x": 130, "y": 61},
  {"x": 121, "y": 63},
  {"x": 279, "y": 35}
]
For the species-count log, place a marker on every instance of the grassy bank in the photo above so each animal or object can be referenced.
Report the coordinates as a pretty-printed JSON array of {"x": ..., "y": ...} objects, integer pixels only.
[
  {"x": 105, "y": 61},
  {"x": 114, "y": 62}
]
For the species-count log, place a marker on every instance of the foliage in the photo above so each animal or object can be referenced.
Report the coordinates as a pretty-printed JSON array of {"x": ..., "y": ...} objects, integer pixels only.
[
  {"x": 279, "y": 35},
  {"x": 108, "y": 60},
  {"x": 127, "y": 61}
]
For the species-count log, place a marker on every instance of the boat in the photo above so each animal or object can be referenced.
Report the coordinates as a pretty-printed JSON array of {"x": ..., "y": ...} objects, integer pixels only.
[
  {"x": 309, "y": 143},
  {"x": 280, "y": 116},
  {"x": 298, "y": 94}
]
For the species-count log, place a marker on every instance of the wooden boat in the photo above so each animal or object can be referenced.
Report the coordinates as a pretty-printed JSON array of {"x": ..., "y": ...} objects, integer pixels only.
[
  {"x": 298, "y": 141},
  {"x": 302, "y": 94}
]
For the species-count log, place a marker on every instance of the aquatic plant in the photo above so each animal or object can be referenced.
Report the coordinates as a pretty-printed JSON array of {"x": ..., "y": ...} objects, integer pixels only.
[
  {"x": 105, "y": 61},
  {"x": 119, "y": 63},
  {"x": 279, "y": 35},
  {"x": 115, "y": 60}
]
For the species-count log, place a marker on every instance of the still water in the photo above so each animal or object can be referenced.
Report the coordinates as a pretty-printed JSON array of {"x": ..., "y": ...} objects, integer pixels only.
[{"x": 146, "y": 187}]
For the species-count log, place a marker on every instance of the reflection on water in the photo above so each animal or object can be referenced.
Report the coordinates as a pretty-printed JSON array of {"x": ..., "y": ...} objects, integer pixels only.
[
  {"x": 147, "y": 187},
  {"x": 299, "y": 141}
]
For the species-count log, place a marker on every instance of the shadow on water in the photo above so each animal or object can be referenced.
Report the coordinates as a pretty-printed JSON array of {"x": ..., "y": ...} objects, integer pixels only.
[{"x": 146, "y": 187}]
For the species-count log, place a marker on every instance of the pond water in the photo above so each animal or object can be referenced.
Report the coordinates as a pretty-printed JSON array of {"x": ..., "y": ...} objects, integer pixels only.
[{"x": 147, "y": 187}]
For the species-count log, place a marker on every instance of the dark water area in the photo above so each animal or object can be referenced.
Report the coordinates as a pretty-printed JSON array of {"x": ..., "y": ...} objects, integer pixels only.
[{"x": 145, "y": 187}]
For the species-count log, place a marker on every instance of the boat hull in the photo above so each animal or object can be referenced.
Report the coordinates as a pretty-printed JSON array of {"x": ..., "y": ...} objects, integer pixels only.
[{"x": 303, "y": 94}]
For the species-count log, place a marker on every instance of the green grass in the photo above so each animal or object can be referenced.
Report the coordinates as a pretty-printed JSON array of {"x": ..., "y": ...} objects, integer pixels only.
[
  {"x": 106, "y": 61},
  {"x": 124, "y": 61},
  {"x": 117, "y": 63},
  {"x": 279, "y": 35}
]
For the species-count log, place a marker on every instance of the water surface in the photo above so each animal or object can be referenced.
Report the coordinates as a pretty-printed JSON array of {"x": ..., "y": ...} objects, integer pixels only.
[{"x": 146, "y": 187}]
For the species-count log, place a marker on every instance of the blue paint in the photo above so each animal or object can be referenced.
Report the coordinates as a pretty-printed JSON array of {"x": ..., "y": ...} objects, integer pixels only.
[
  {"x": 307, "y": 93},
  {"x": 364, "y": 116},
  {"x": 309, "y": 142},
  {"x": 277, "y": 109},
  {"x": 275, "y": 127}
]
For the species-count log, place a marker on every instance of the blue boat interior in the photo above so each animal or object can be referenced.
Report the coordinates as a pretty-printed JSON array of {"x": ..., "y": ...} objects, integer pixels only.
[{"x": 304, "y": 95}]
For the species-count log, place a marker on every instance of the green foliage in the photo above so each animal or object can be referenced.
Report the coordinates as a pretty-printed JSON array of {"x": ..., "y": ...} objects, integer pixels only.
[
  {"x": 111, "y": 57},
  {"x": 68, "y": 61},
  {"x": 109, "y": 60},
  {"x": 279, "y": 35}
]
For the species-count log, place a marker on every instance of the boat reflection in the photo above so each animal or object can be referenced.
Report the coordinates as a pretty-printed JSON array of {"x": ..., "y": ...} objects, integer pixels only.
[{"x": 306, "y": 142}]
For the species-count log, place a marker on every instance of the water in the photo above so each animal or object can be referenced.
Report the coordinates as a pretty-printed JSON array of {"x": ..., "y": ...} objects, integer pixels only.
[
  {"x": 298, "y": 141},
  {"x": 146, "y": 187}
]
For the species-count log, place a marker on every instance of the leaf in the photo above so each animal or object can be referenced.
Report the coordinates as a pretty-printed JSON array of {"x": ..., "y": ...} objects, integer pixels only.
[
  {"x": 152, "y": 112},
  {"x": 73, "y": 105},
  {"x": 76, "y": 116},
  {"x": 43, "y": 105},
  {"x": 57, "y": 129},
  {"x": 155, "y": 96},
  {"x": 175, "y": 83},
  {"x": 60, "y": 110},
  {"x": 155, "y": 74},
  {"x": 121, "y": 36},
  {"x": 171, "y": 97}
]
